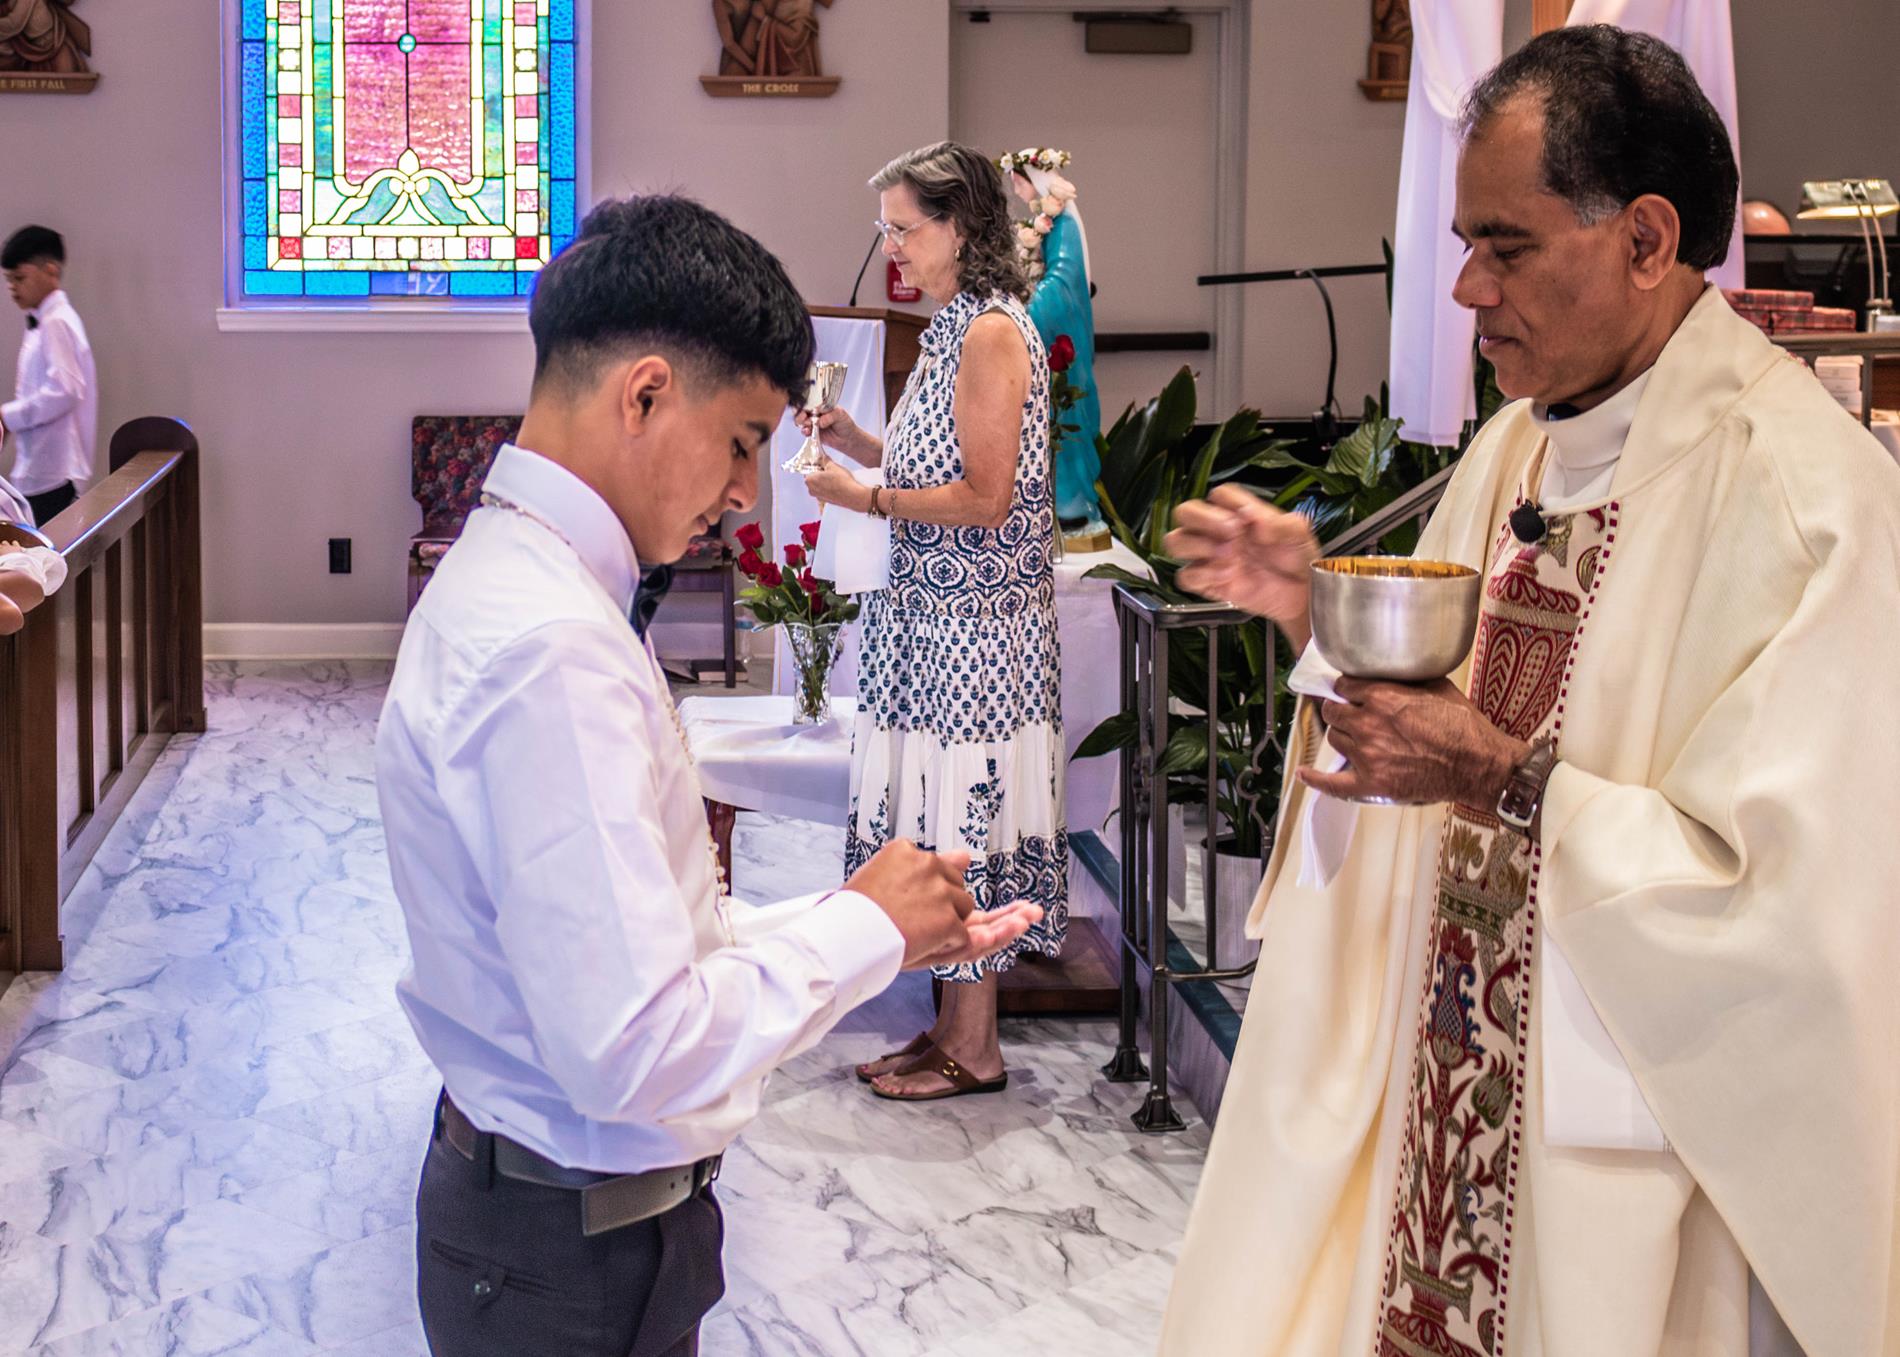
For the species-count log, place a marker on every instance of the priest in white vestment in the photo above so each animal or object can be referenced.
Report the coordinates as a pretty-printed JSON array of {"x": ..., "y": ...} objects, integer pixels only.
[{"x": 1578, "y": 1089}]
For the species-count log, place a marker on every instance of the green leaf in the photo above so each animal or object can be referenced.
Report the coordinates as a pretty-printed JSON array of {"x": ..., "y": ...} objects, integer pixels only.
[
  {"x": 1186, "y": 748},
  {"x": 1117, "y": 732},
  {"x": 1204, "y": 466}
]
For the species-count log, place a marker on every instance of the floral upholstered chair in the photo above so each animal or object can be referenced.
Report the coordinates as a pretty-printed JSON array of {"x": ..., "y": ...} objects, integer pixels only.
[{"x": 449, "y": 456}]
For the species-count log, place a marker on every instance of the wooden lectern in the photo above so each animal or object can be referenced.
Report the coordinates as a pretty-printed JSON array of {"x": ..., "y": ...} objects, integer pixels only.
[{"x": 901, "y": 331}]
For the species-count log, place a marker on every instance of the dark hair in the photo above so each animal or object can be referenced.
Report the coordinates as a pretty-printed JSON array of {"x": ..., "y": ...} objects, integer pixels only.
[
  {"x": 666, "y": 272},
  {"x": 967, "y": 188},
  {"x": 32, "y": 245},
  {"x": 1623, "y": 117}
]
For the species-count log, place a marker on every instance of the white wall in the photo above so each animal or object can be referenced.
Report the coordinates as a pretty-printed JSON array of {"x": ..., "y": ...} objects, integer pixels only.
[{"x": 306, "y": 436}]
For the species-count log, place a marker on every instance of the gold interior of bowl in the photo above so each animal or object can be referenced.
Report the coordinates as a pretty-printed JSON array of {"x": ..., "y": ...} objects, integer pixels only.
[{"x": 1394, "y": 567}]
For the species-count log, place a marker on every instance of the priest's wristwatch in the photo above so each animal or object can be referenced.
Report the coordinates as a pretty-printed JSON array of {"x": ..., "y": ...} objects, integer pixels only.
[{"x": 1523, "y": 795}]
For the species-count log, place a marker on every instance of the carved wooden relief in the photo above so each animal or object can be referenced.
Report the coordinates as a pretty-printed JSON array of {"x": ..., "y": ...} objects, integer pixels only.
[
  {"x": 1389, "y": 60},
  {"x": 43, "y": 48}
]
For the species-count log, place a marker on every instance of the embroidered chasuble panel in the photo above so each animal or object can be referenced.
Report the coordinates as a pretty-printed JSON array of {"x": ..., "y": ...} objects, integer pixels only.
[{"x": 1448, "y": 1255}]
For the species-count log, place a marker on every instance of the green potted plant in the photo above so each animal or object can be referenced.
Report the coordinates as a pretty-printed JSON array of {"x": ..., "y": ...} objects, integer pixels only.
[{"x": 1155, "y": 457}]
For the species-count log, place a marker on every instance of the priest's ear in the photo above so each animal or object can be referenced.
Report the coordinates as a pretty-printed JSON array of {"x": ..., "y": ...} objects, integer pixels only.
[{"x": 1654, "y": 233}]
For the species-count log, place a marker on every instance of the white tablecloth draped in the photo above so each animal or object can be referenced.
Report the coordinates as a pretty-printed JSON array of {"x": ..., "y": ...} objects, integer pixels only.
[{"x": 750, "y": 755}]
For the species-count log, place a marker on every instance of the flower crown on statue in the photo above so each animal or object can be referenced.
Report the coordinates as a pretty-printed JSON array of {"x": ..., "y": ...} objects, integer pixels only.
[
  {"x": 1051, "y": 205},
  {"x": 1037, "y": 157}
]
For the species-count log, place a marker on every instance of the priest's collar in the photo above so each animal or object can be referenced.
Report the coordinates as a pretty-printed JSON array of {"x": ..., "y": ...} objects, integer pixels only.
[
  {"x": 571, "y": 508},
  {"x": 1585, "y": 440}
]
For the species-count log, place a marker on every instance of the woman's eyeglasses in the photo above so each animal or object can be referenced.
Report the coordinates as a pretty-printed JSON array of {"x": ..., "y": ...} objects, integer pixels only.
[{"x": 896, "y": 234}]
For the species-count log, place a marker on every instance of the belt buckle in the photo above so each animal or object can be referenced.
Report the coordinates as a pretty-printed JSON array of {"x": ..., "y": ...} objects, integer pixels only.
[{"x": 707, "y": 1172}]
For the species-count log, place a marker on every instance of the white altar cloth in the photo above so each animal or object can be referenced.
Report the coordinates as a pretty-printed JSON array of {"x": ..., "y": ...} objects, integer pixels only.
[{"x": 750, "y": 754}]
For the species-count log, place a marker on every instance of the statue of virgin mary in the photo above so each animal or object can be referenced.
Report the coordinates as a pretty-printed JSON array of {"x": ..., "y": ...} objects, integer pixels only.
[{"x": 1056, "y": 250}]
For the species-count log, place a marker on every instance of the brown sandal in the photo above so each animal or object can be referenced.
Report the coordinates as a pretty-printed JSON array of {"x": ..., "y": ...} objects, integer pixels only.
[
  {"x": 962, "y": 1082},
  {"x": 916, "y": 1047}
]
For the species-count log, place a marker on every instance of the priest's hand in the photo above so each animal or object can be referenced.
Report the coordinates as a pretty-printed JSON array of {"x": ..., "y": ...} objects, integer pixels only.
[
  {"x": 832, "y": 484},
  {"x": 1414, "y": 744},
  {"x": 1241, "y": 550},
  {"x": 924, "y": 896}
]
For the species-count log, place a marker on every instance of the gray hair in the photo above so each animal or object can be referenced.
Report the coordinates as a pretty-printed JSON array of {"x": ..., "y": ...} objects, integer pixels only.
[{"x": 966, "y": 188}]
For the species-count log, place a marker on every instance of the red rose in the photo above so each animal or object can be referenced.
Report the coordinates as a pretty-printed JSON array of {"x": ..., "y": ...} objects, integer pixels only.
[
  {"x": 751, "y": 564},
  {"x": 809, "y": 531},
  {"x": 809, "y": 582},
  {"x": 750, "y": 537},
  {"x": 794, "y": 555},
  {"x": 1061, "y": 354},
  {"x": 770, "y": 575}
]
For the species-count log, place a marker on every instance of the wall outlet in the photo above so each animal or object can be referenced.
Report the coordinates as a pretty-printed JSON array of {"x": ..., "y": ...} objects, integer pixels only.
[{"x": 339, "y": 555}]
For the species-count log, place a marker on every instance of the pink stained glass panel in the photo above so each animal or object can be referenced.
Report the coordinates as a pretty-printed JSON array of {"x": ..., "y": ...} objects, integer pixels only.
[
  {"x": 374, "y": 99},
  {"x": 290, "y": 105},
  {"x": 478, "y": 247},
  {"x": 339, "y": 247},
  {"x": 439, "y": 111},
  {"x": 527, "y": 105},
  {"x": 290, "y": 153},
  {"x": 439, "y": 21},
  {"x": 289, "y": 12},
  {"x": 524, "y": 14},
  {"x": 373, "y": 20},
  {"x": 290, "y": 200},
  {"x": 525, "y": 152}
]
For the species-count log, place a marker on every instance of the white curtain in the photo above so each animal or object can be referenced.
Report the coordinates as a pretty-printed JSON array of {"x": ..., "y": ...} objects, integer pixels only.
[
  {"x": 1453, "y": 43},
  {"x": 859, "y": 344},
  {"x": 1701, "y": 32}
]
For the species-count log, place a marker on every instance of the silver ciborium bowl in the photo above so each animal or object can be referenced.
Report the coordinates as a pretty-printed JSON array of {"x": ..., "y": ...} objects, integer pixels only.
[
  {"x": 1387, "y": 617},
  {"x": 824, "y": 387}
]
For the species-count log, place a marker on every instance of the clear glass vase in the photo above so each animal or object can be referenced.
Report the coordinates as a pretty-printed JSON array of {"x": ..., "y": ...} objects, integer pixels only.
[{"x": 814, "y": 650}]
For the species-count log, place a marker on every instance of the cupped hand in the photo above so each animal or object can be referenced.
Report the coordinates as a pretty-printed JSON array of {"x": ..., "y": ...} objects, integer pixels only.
[{"x": 1416, "y": 744}]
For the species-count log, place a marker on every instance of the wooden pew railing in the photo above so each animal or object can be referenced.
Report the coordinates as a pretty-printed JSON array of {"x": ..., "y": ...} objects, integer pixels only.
[{"x": 100, "y": 678}]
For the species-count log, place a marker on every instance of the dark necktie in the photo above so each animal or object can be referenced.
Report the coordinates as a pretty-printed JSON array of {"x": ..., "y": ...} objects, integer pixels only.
[
  {"x": 32, "y": 322},
  {"x": 647, "y": 595}
]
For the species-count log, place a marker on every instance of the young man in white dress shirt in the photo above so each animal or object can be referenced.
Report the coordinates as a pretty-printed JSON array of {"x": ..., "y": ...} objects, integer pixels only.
[
  {"x": 603, "y": 1019},
  {"x": 54, "y": 413}
]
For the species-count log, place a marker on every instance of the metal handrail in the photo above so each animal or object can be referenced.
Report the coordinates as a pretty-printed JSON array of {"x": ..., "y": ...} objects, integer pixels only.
[
  {"x": 1416, "y": 503},
  {"x": 1146, "y": 623}
]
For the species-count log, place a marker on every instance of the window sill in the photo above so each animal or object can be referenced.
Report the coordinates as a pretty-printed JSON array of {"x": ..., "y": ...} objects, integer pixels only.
[{"x": 410, "y": 318}]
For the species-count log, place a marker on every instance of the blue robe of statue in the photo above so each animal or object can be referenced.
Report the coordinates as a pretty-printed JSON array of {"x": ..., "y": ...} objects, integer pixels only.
[{"x": 1061, "y": 306}]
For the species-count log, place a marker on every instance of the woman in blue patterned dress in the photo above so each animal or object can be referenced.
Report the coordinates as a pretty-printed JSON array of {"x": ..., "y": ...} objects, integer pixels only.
[{"x": 958, "y": 742}]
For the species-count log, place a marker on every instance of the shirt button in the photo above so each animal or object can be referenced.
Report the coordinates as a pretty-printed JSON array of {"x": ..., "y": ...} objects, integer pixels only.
[{"x": 484, "y": 1289}]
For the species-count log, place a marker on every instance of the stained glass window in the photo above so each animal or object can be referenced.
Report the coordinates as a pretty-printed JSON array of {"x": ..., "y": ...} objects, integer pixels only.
[{"x": 405, "y": 147}]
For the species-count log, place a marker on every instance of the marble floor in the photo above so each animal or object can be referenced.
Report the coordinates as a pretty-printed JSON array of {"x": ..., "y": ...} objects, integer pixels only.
[{"x": 211, "y": 1122}]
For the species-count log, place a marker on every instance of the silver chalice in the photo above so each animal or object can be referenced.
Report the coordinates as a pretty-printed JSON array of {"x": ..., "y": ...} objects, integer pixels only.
[{"x": 824, "y": 387}]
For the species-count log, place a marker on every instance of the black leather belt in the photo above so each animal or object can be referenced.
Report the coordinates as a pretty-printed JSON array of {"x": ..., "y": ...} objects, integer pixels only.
[{"x": 608, "y": 1201}]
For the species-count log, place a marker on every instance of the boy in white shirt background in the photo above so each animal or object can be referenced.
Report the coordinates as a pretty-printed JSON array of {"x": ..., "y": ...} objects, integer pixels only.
[{"x": 54, "y": 414}]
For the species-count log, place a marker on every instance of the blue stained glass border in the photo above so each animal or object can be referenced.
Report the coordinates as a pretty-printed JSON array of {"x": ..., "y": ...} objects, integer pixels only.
[
  {"x": 481, "y": 285},
  {"x": 268, "y": 283},
  {"x": 337, "y": 283}
]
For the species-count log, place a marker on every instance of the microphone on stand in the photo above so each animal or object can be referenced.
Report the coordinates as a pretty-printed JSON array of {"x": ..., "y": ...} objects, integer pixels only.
[{"x": 861, "y": 268}]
